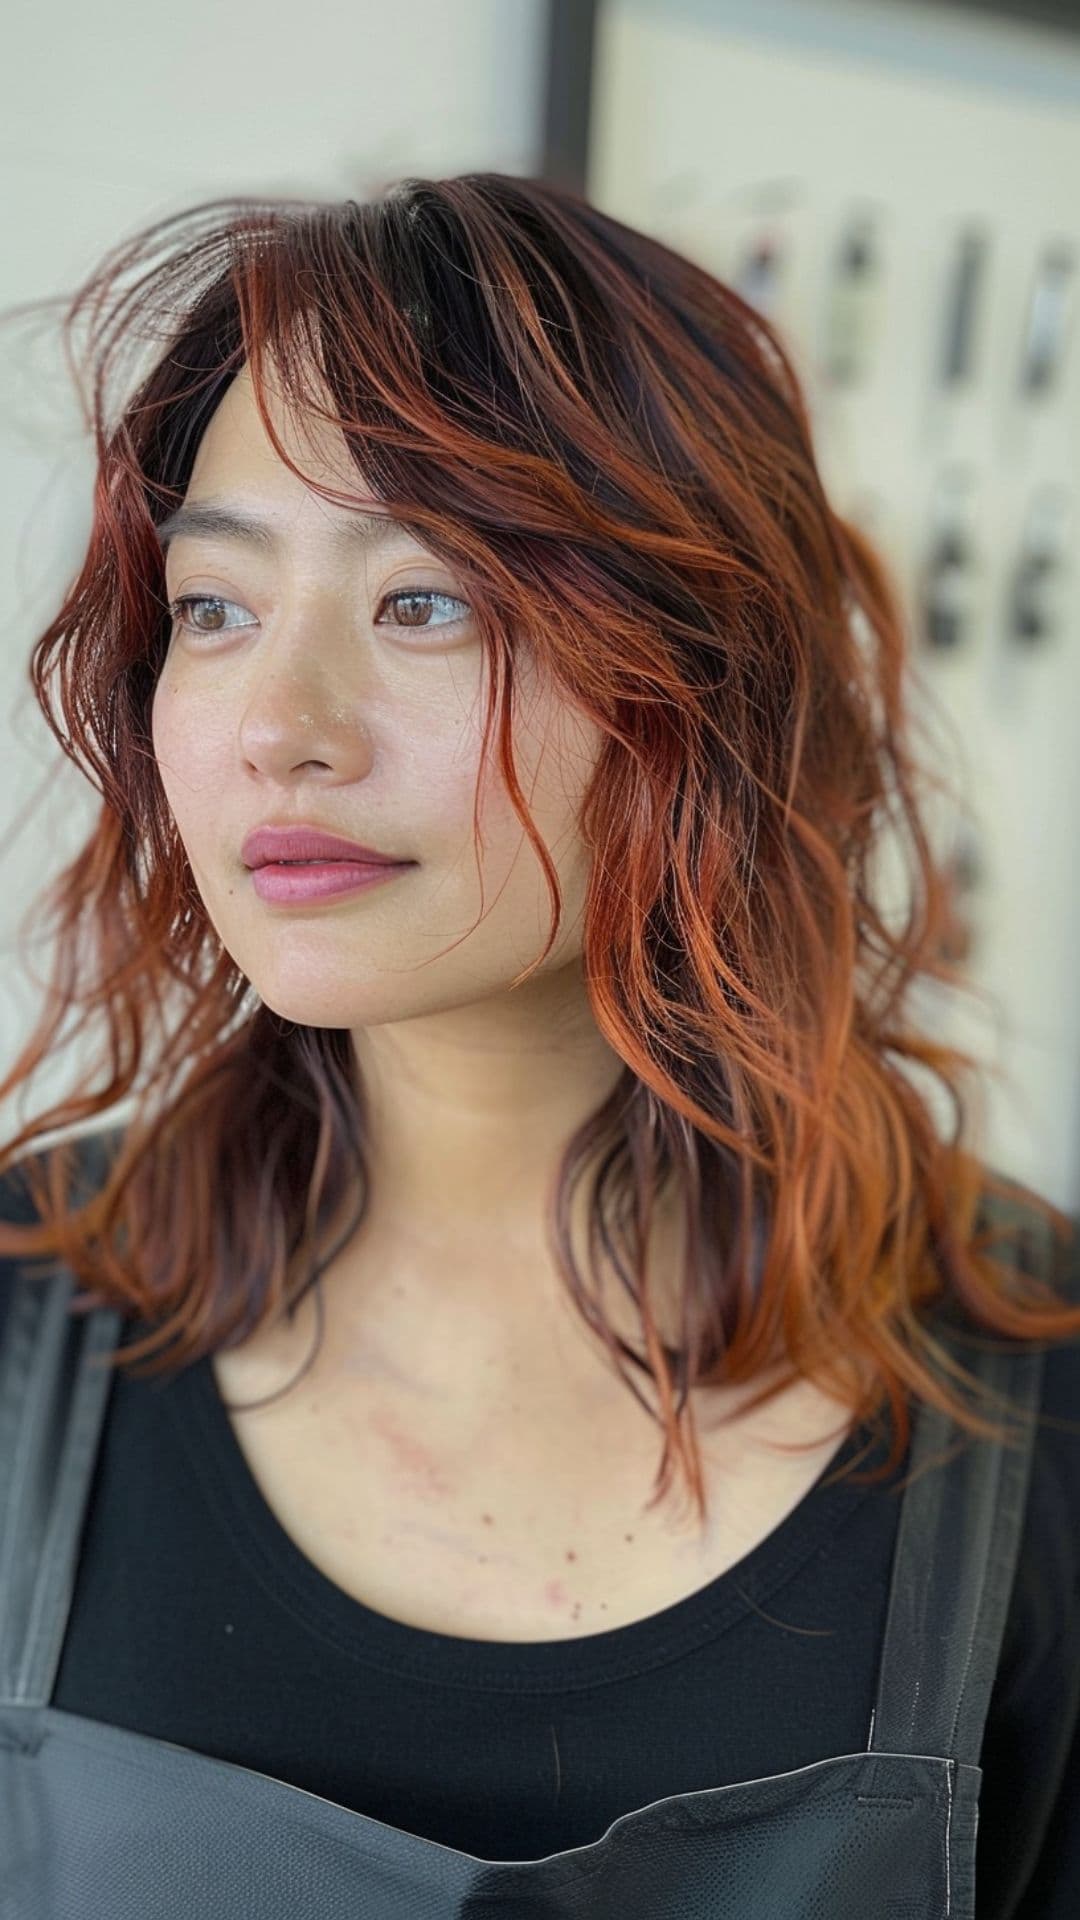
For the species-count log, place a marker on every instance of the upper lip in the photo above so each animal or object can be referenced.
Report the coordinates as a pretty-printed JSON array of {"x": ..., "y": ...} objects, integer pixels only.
[{"x": 298, "y": 841}]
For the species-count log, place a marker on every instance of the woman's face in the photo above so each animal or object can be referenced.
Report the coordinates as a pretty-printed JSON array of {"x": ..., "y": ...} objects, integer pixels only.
[{"x": 310, "y": 696}]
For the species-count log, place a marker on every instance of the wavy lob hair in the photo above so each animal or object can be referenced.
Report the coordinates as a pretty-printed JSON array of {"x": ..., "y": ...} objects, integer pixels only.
[{"x": 613, "y": 451}]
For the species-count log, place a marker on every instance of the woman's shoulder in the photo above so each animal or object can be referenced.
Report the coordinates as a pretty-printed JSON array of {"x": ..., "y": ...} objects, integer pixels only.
[
  {"x": 1040, "y": 1247},
  {"x": 1025, "y": 1233},
  {"x": 93, "y": 1152},
  {"x": 18, "y": 1206}
]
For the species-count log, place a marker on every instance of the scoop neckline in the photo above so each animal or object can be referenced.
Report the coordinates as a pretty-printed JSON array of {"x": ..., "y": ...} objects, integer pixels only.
[{"x": 294, "y": 1582}]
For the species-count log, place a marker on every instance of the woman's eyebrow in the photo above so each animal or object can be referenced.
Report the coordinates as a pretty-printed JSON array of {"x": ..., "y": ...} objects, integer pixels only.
[{"x": 229, "y": 523}]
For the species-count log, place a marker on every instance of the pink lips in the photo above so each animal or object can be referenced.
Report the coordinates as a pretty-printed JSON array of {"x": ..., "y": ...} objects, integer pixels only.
[
  {"x": 295, "y": 862},
  {"x": 298, "y": 842},
  {"x": 286, "y": 885}
]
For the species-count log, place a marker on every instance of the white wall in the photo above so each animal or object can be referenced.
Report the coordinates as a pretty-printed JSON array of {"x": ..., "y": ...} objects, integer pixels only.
[{"x": 123, "y": 113}]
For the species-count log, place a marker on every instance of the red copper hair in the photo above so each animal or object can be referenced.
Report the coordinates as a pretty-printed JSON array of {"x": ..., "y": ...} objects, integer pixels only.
[{"x": 613, "y": 451}]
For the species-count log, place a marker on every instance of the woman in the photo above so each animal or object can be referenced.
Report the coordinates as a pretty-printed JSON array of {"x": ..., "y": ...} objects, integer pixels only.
[{"x": 484, "y": 534}]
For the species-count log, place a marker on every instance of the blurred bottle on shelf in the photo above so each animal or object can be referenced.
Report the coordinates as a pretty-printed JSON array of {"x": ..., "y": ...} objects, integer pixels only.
[
  {"x": 853, "y": 304},
  {"x": 964, "y": 873},
  {"x": 949, "y": 579},
  {"x": 1037, "y": 598},
  {"x": 1049, "y": 312},
  {"x": 758, "y": 273},
  {"x": 963, "y": 306}
]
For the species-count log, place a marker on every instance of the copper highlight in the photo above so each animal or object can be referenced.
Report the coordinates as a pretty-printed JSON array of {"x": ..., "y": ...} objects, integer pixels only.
[{"x": 613, "y": 451}]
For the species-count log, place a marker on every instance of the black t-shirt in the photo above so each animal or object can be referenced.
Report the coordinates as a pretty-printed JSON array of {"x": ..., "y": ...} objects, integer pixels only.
[{"x": 196, "y": 1619}]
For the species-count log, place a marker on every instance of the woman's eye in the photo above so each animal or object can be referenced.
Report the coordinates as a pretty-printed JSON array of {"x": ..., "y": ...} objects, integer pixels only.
[
  {"x": 177, "y": 608},
  {"x": 412, "y": 598}
]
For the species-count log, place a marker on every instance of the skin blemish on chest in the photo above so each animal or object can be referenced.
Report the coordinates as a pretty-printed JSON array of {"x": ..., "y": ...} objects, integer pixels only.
[{"x": 417, "y": 1466}]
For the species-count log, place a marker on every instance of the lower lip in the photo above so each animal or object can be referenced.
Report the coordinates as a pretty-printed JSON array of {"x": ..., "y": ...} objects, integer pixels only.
[{"x": 318, "y": 882}]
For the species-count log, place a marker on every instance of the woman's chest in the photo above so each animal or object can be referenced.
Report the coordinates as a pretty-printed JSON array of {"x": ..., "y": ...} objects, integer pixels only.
[{"x": 521, "y": 1524}]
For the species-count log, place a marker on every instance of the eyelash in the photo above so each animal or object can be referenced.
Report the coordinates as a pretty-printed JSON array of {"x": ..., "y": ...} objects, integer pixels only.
[{"x": 175, "y": 608}]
